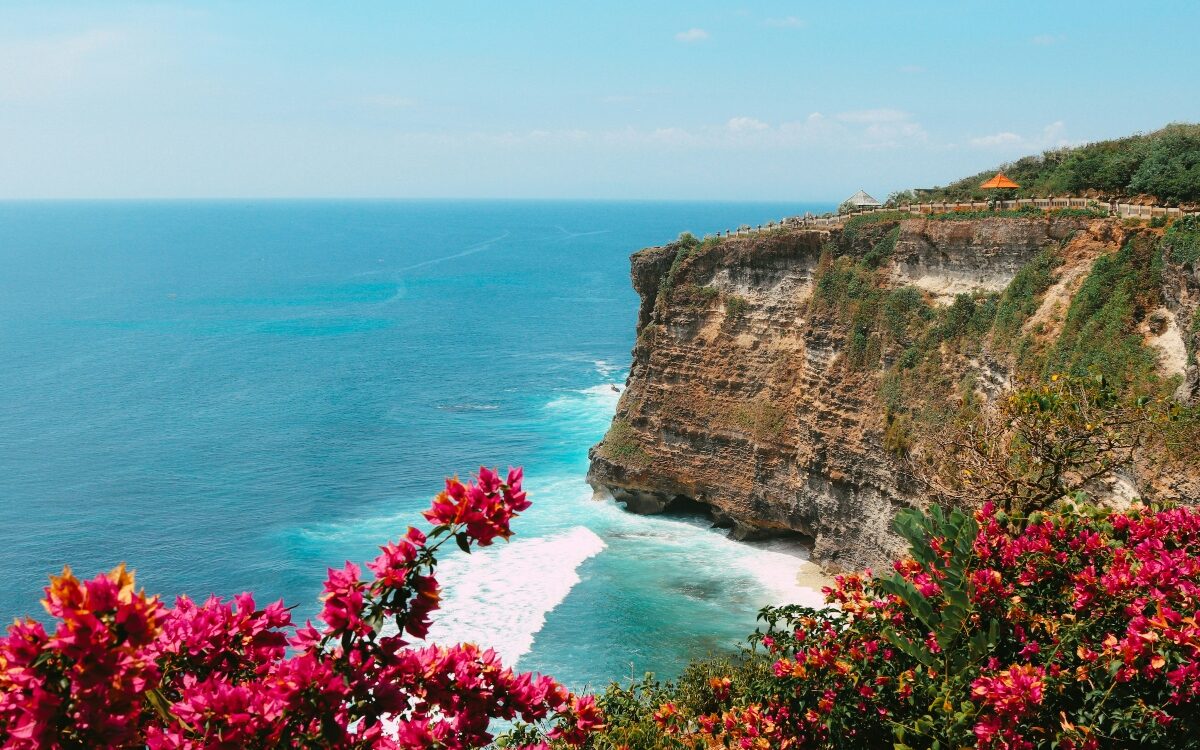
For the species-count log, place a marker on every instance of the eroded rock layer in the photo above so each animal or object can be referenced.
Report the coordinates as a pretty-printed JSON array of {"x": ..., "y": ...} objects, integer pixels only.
[{"x": 741, "y": 396}]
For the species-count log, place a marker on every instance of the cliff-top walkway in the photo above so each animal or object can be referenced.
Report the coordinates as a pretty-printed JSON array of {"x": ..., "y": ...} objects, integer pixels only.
[{"x": 1113, "y": 208}]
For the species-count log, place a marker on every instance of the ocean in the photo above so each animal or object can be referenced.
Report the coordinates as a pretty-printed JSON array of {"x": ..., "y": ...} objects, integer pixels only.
[{"x": 236, "y": 395}]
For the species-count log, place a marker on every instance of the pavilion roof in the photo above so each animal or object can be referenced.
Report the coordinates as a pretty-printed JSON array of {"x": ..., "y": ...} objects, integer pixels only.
[
  {"x": 999, "y": 182},
  {"x": 862, "y": 199}
]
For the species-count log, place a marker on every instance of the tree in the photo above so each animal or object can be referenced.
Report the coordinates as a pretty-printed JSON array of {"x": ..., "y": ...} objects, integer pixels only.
[
  {"x": 900, "y": 198},
  {"x": 1038, "y": 445},
  {"x": 1171, "y": 169}
]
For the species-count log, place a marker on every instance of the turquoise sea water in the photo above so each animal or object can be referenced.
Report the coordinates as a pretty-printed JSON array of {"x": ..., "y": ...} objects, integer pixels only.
[{"x": 236, "y": 395}]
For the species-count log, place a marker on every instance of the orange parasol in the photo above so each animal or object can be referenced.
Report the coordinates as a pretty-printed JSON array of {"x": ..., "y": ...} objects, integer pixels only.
[{"x": 999, "y": 182}]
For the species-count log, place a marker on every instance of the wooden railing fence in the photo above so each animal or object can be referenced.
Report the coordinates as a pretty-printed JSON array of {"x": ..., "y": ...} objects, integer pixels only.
[{"x": 1113, "y": 208}]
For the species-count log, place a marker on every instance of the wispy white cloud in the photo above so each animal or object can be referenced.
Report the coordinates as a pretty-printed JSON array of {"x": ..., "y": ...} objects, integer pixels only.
[
  {"x": 745, "y": 124},
  {"x": 692, "y": 35},
  {"x": 856, "y": 130},
  {"x": 996, "y": 139},
  {"x": 1053, "y": 135},
  {"x": 790, "y": 22}
]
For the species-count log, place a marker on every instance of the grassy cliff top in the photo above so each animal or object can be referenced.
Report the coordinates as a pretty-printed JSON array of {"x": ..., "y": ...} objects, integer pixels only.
[{"x": 1164, "y": 164}]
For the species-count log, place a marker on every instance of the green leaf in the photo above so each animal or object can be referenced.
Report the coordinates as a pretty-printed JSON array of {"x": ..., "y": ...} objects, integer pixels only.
[
  {"x": 913, "y": 598},
  {"x": 463, "y": 542},
  {"x": 159, "y": 703},
  {"x": 916, "y": 651}
]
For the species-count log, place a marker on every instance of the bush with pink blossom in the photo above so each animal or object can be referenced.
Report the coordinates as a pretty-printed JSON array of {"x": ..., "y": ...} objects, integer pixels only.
[{"x": 120, "y": 669}]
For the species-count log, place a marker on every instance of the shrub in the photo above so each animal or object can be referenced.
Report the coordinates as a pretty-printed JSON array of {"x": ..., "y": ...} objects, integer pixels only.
[
  {"x": 898, "y": 435},
  {"x": 1021, "y": 298},
  {"x": 621, "y": 444},
  {"x": 123, "y": 670},
  {"x": 882, "y": 251},
  {"x": 1070, "y": 629},
  {"x": 686, "y": 246},
  {"x": 691, "y": 295},
  {"x": 1095, "y": 212},
  {"x": 1100, "y": 332},
  {"x": 969, "y": 314},
  {"x": 735, "y": 307},
  {"x": 1165, "y": 163},
  {"x": 855, "y": 224},
  {"x": 1182, "y": 240},
  {"x": 902, "y": 308},
  {"x": 687, "y": 240},
  {"x": 900, "y": 198},
  {"x": 1039, "y": 444},
  {"x": 1171, "y": 169}
]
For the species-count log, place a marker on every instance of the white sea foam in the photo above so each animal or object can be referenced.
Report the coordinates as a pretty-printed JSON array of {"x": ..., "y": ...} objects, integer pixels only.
[
  {"x": 468, "y": 407},
  {"x": 569, "y": 235},
  {"x": 592, "y": 407},
  {"x": 781, "y": 572},
  {"x": 500, "y": 596},
  {"x": 605, "y": 368},
  {"x": 780, "y": 568},
  {"x": 477, "y": 248}
]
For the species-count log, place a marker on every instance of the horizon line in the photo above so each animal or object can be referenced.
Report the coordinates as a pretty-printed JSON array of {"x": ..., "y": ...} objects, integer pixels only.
[{"x": 395, "y": 199}]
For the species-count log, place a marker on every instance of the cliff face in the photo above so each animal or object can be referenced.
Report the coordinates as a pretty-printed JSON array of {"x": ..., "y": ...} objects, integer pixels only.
[{"x": 749, "y": 394}]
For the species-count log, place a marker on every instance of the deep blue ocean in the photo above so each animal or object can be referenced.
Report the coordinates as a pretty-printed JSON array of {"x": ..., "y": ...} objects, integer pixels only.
[{"x": 236, "y": 395}]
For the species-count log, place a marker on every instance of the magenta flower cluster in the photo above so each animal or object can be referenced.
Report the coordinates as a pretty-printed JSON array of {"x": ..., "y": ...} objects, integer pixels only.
[{"x": 120, "y": 669}]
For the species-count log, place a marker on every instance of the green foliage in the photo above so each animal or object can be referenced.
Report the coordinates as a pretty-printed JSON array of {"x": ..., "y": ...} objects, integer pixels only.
[
  {"x": 1100, "y": 333},
  {"x": 1082, "y": 213},
  {"x": 1171, "y": 167},
  {"x": 898, "y": 438},
  {"x": 901, "y": 198},
  {"x": 690, "y": 295},
  {"x": 629, "y": 715},
  {"x": 685, "y": 247},
  {"x": 944, "y": 614},
  {"x": 761, "y": 419},
  {"x": 1165, "y": 163},
  {"x": 901, "y": 308},
  {"x": 1182, "y": 240},
  {"x": 883, "y": 249},
  {"x": 622, "y": 445},
  {"x": 735, "y": 307},
  {"x": 687, "y": 241},
  {"x": 1021, "y": 298},
  {"x": 852, "y": 226},
  {"x": 1040, "y": 444},
  {"x": 969, "y": 314},
  {"x": 630, "y": 710}
]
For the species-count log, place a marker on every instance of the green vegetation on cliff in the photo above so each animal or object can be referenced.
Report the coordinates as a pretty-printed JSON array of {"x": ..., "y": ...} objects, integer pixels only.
[
  {"x": 1100, "y": 333},
  {"x": 1182, "y": 240},
  {"x": 927, "y": 356},
  {"x": 1165, "y": 164}
]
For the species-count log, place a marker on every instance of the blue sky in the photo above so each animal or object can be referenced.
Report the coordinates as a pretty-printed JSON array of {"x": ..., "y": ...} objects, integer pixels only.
[{"x": 709, "y": 100}]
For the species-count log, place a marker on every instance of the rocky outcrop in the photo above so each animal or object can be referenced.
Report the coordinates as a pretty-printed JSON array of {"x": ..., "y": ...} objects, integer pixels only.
[
  {"x": 947, "y": 258},
  {"x": 739, "y": 397}
]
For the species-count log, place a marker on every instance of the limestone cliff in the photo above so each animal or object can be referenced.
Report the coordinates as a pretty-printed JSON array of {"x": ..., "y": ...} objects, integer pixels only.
[{"x": 766, "y": 367}]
